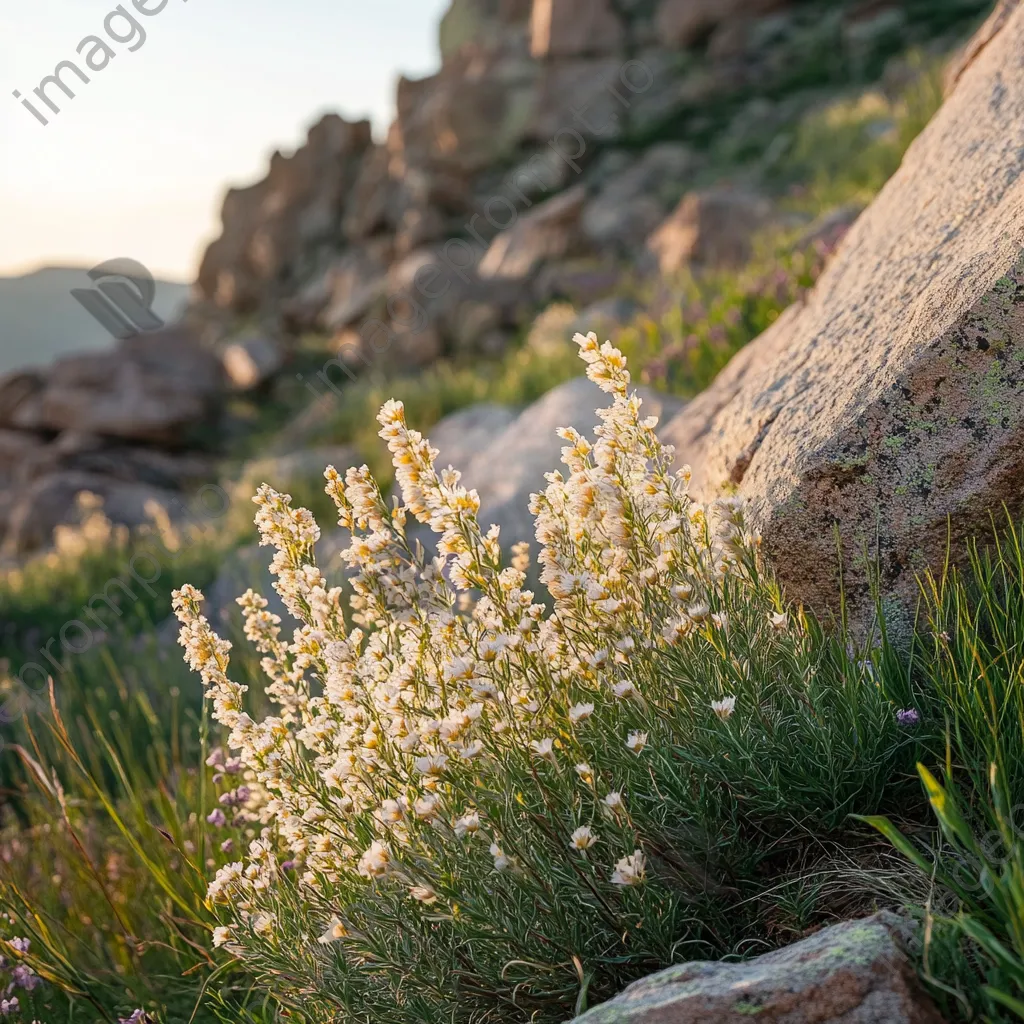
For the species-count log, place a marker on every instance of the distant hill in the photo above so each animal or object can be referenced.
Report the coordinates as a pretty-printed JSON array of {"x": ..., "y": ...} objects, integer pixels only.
[{"x": 40, "y": 320}]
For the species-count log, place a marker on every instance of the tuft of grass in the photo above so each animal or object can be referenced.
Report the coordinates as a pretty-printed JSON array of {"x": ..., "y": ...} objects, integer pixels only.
[
  {"x": 101, "y": 576},
  {"x": 969, "y": 649},
  {"x": 104, "y": 849}
]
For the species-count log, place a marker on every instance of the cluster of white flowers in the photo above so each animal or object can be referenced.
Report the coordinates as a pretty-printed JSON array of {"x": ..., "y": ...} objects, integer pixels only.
[{"x": 452, "y": 670}]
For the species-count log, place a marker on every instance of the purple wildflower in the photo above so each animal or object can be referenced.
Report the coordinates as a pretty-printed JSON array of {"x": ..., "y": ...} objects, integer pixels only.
[
  {"x": 235, "y": 798},
  {"x": 24, "y": 977},
  {"x": 216, "y": 818},
  {"x": 908, "y": 717}
]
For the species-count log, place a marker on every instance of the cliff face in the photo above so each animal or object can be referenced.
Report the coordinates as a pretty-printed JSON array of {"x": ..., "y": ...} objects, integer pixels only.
[{"x": 555, "y": 138}]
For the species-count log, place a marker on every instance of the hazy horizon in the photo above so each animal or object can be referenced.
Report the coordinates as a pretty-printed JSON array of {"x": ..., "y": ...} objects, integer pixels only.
[{"x": 137, "y": 163}]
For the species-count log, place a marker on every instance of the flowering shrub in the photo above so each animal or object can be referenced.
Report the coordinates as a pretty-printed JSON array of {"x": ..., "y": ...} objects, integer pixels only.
[{"x": 476, "y": 806}]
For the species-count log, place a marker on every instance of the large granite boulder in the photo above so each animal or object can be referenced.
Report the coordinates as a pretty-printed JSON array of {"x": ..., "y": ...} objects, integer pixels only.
[
  {"x": 889, "y": 408},
  {"x": 460, "y": 436},
  {"x": 852, "y": 973}
]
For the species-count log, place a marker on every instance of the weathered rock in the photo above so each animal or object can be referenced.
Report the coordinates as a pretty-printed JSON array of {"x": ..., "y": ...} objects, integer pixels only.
[
  {"x": 548, "y": 231},
  {"x": 580, "y": 281},
  {"x": 686, "y": 22},
  {"x": 151, "y": 388},
  {"x": 462, "y": 435},
  {"x": 714, "y": 228},
  {"x": 50, "y": 501},
  {"x": 575, "y": 28},
  {"x": 252, "y": 361},
  {"x": 168, "y": 471},
  {"x": 482, "y": 23},
  {"x": 269, "y": 226},
  {"x": 635, "y": 201},
  {"x": 369, "y": 209},
  {"x": 244, "y": 568},
  {"x": 474, "y": 113},
  {"x": 357, "y": 282},
  {"x": 574, "y": 100},
  {"x": 20, "y": 451},
  {"x": 852, "y": 973},
  {"x": 513, "y": 464},
  {"x": 889, "y": 407},
  {"x": 19, "y": 399},
  {"x": 497, "y": 132},
  {"x": 604, "y": 317},
  {"x": 996, "y": 21}
]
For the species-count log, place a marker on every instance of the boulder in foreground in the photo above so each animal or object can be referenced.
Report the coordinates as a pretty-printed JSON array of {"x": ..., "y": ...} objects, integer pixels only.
[{"x": 853, "y": 973}]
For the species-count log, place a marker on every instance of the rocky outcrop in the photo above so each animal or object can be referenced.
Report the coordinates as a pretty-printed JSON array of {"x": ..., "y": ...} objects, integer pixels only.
[
  {"x": 852, "y": 973},
  {"x": 575, "y": 28},
  {"x": 273, "y": 229},
  {"x": 555, "y": 138},
  {"x": 687, "y": 22},
  {"x": 150, "y": 388},
  {"x": 889, "y": 409},
  {"x": 117, "y": 424}
]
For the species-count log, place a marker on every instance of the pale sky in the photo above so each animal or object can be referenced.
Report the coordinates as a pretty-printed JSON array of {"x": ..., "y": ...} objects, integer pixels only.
[{"x": 136, "y": 165}]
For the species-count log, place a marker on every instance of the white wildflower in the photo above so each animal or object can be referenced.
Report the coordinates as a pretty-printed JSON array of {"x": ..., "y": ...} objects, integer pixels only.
[
  {"x": 374, "y": 862},
  {"x": 724, "y": 707},
  {"x": 334, "y": 932},
  {"x": 468, "y": 824},
  {"x": 580, "y": 712},
  {"x": 423, "y": 894},
  {"x": 544, "y": 749},
  {"x": 631, "y": 870},
  {"x": 636, "y": 741},
  {"x": 614, "y": 802},
  {"x": 583, "y": 838}
]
